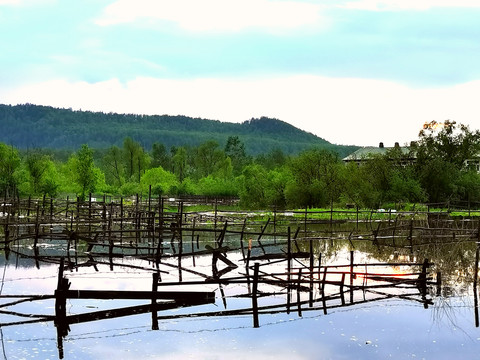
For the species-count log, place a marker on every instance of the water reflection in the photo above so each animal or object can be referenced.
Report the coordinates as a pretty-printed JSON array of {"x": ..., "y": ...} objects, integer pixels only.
[{"x": 282, "y": 297}]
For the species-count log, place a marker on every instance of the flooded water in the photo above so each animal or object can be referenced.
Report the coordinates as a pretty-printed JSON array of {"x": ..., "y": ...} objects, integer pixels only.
[{"x": 381, "y": 304}]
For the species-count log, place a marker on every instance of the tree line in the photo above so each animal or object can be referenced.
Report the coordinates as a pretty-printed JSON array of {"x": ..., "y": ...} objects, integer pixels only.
[
  {"x": 26, "y": 126},
  {"x": 443, "y": 168}
]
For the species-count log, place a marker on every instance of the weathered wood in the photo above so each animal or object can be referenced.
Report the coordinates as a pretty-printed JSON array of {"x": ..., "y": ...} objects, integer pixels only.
[{"x": 254, "y": 296}]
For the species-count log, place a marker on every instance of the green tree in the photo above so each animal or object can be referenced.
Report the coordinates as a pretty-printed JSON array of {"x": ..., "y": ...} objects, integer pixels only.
[
  {"x": 448, "y": 141},
  {"x": 438, "y": 177},
  {"x": 137, "y": 159},
  {"x": 404, "y": 187},
  {"x": 224, "y": 169},
  {"x": 86, "y": 176},
  {"x": 358, "y": 189},
  {"x": 160, "y": 156},
  {"x": 317, "y": 178},
  {"x": 273, "y": 159},
  {"x": 42, "y": 174},
  {"x": 130, "y": 148},
  {"x": 442, "y": 151},
  {"x": 208, "y": 158},
  {"x": 9, "y": 164},
  {"x": 468, "y": 186},
  {"x": 235, "y": 150},
  {"x": 113, "y": 165},
  {"x": 217, "y": 186},
  {"x": 253, "y": 184},
  {"x": 142, "y": 161},
  {"x": 278, "y": 180},
  {"x": 162, "y": 181},
  {"x": 180, "y": 163}
]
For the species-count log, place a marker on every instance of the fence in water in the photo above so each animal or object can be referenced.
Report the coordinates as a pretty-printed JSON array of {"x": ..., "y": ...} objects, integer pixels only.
[{"x": 254, "y": 265}]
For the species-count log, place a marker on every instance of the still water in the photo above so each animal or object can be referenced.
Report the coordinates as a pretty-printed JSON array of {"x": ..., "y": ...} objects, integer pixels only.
[{"x": 388, "y": 322}]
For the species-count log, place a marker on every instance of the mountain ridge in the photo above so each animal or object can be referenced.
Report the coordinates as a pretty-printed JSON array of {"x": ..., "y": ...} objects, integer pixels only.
[{"x": 38, "y": 126}]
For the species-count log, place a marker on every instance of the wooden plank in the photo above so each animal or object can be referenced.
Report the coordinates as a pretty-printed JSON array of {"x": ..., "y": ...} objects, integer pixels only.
[{"x": 183, "y": 296}]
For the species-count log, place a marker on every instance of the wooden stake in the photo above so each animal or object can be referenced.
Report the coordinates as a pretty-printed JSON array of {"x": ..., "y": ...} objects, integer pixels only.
[{"x": 254, "y": 295}]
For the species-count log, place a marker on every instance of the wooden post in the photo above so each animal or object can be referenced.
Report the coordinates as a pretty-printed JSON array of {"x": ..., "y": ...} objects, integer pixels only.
[
  {"x": 310, "y": 300},
  {"x": 289, "y": 265},
  {"x": 121, "y": 219},
  {"x": 475, "y": 279},
  {"x": 149, "y": 198},
  {"x": 357, "y": 217},
  {"x": 263, "y": 228},
  {"x": 423, "y": 282},
  {"x": 216, "y": 213},
  {"x": 289, "y": 255},
  {"x": 342, "y": 294},
  {"x": 156, "y": 277},
  {"x": 254, "y": 295},
  {"x": 275, "y": 224},
  {"x": 89, "y": 215},
  {"x": 352, "y": 276},
  {"x": 319, "y": 265},
  {"x": 324, "y": 301},
  {"x": 43, "y": 205},
  {"x": 241, "y": 238},
  {"x": 305, "y": 222},
  {"x": 299, "y": 303},
  {"x": 66, "y": 207},
  {"x": 28, "y": 206},
  {"x": 477, "y": 256},
  {"x": 61, "y": 309},
  {"x": 104, "y": 214},
  {"x": 192, "y": 242},
  {"x": 160, "y": 231},
  {"x": 37, "y": 227},
  {"x": 7, "y": 230},
  {"x": 439, "y": 283}
]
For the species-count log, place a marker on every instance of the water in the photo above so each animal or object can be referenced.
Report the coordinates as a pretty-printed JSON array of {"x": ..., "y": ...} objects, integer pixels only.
[{"x": 386, "y": 322}]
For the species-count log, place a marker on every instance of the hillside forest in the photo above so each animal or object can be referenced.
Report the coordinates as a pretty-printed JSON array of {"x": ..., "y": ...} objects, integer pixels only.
[
  {"x": 315, "y": 177},
  {"x": 34, "y": 126}
]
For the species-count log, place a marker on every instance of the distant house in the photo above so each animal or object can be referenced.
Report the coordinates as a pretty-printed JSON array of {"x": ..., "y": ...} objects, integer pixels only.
[{"x": 365, "y": 153}]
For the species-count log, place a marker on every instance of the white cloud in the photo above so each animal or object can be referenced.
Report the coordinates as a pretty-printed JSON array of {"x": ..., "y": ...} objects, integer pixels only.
[
  {"x": 388, "y": 5},
  {"x": 343, "y": 111},
  {"x": 215, "y": 15}
]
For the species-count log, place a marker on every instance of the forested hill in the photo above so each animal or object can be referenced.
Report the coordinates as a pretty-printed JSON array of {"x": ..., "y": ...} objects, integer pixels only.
[{"x": 33, "y": 126}]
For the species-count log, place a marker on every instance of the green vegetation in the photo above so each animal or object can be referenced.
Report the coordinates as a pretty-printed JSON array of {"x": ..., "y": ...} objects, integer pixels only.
[
  {"x": 315, "y": 178},
  {"x": 27, "y": 126}
]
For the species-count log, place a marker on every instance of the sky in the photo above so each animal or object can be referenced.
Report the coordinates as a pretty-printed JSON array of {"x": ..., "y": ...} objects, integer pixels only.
[{"x": 354, "y": 72}]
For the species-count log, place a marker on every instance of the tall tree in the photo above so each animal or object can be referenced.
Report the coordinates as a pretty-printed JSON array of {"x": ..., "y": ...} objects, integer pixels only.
[
  {"x": 9, "y": 163},
  {"x": 160, "y": 156},
  {"x": 136, "y": 159},
  {"x": 180, "y": 163},
  {"x": 41, "y": 173},
  {"x": 235, "y": 149},
  {"x": 208, "y": 158},
  {"x": 442, "y": 151},
  {"x": 113, "y": 165},
  {"x": 130, "y": 147},
  {"x": 317, "y": 178},
  {"x": 85, "y": 174},
  {"x": 449, "y": 141}
]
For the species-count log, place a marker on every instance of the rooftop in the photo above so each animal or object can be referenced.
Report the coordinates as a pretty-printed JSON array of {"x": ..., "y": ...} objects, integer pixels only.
[{"x": 369, "y": 151}]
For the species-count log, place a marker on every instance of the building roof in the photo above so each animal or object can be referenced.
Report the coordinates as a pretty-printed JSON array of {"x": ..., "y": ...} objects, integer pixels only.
[{"x": 368, "y": 151}]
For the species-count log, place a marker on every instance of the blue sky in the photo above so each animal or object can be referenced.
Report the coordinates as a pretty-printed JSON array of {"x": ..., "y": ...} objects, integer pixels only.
[{"x": 350, "y": 71}]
